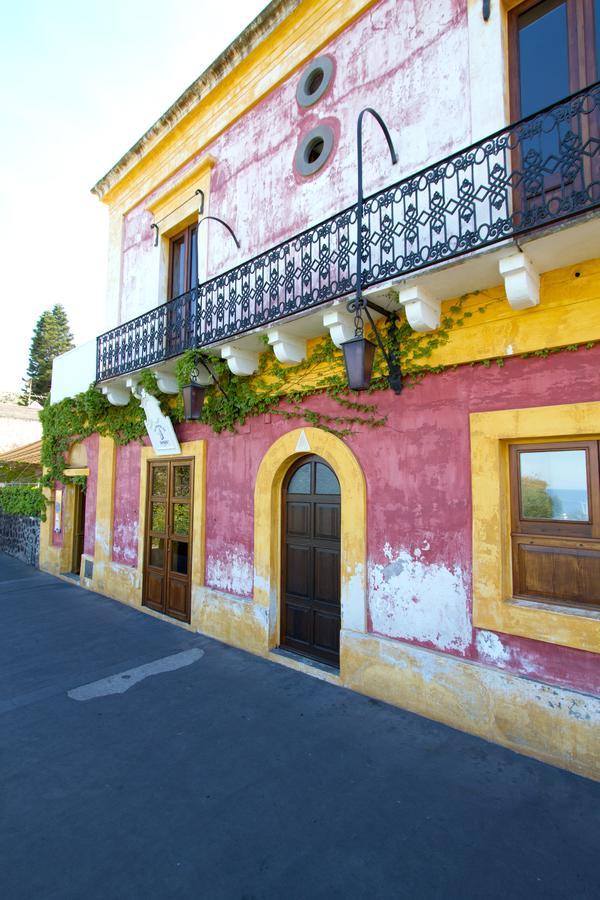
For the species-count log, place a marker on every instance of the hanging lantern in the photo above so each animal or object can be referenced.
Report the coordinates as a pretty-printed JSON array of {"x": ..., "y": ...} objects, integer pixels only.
[
  {"x": 358, "y": 359},
  {"x": 193, "y": 398}
]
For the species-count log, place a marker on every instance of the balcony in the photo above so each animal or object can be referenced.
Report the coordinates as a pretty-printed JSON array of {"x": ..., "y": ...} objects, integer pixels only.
[{"x": 517, "y": 184}]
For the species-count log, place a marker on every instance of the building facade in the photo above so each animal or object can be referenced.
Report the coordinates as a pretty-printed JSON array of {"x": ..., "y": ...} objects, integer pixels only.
[{"x": 439, "y": 548}]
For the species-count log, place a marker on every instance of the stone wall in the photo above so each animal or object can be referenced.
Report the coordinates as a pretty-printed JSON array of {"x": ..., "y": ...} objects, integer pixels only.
[{"x": 20, "y": 537}]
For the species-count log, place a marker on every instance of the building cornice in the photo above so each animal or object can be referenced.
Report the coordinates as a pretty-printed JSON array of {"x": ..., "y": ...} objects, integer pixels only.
[{"x": 256, "y": 32}]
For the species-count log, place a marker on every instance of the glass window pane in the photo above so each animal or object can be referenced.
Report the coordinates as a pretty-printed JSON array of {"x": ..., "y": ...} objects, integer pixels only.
[
  {"x": 181, "y": 518},
  {"x": 179, "y": 557},
  {"x": 157, "y": 552},
  {"x": 158, "y": 517},
  {"x": 327, "y": 482},
  {"x": 181, "y": 482},
  {"x": 300, "y": 481},
  {"x": 554, "y": 485},
  {"x": 177, "y": 267},
  {"x": 193, "y": 258},
  {"x": 543, "y": 56},
  {"x": 159, "y": 481}
]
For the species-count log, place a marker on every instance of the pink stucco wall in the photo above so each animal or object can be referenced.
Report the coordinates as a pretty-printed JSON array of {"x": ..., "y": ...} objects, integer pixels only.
[
  {"x": 394, "y": 58},
  {"x": 419, "y": 508},
  {"x": 127, "y": 502}
]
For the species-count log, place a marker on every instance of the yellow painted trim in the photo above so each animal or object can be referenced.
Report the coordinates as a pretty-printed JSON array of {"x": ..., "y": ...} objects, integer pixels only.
[
  {"x": 568, "y": 313},
  {"x": 557, "y": 725},
  {"x": 53, "y": 558},
  {"x": 83, "y": 470},
  {"x": 493, "y": 605},
  {"x": 299, "y": 37},
  {"x": 175, "y": 193},
  {"x": 267, "y": 525}
]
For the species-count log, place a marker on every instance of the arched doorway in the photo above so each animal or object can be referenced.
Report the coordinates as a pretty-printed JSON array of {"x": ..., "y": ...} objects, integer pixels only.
[{"x": 310, "y": 589}]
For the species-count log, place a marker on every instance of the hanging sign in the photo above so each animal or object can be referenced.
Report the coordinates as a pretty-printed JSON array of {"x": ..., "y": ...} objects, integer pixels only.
[
  {"x": 159, "y": 427},
  {"x": 58, "y": 510}
]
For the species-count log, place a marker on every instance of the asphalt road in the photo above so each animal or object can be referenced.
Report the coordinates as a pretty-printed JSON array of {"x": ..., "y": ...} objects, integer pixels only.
[{"x": 141, "y": 761}]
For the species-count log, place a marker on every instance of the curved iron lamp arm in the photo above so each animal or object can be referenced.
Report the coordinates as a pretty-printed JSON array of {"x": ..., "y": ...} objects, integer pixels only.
[
  {"x": 359, "y": 204},
  {"x": 394, "y": 370},
  {"x": 204, "y": 363},
  {"x": 228, "y": 227}
]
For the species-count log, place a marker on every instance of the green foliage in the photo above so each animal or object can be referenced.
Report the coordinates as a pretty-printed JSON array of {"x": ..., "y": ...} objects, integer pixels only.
[
  {"x": 75, "y": 418},
  {"x": 23, "y": 500},
  {"x": 276, "y": 389},
  {"x": 537, "y": 502},
  {"x": 51, "y": 337}
]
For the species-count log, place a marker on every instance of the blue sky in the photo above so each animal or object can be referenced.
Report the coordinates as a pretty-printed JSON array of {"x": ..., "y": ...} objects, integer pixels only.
[{"x": 81, "y": 82}]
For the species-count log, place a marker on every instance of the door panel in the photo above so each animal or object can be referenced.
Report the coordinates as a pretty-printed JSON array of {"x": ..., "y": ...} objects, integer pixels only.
[
  {"x": 311, "y": 614},
  {"x": 167, "y": 557}
]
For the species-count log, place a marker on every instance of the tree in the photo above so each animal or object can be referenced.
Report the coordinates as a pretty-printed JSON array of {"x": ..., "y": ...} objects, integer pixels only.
[
  {"x": 51, "y": 337},
  {"x": 537, "y": 501}
]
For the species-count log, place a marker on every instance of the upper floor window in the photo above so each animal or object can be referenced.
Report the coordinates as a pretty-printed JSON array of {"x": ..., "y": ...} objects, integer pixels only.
[
  {"x": 183, "y": 261},
  {"x": 555, "y": 50},
  {"x": 555, "y": 503}
]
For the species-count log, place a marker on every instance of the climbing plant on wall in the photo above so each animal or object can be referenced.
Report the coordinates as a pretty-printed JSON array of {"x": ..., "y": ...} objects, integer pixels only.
[{"x": 275, "y": 389}]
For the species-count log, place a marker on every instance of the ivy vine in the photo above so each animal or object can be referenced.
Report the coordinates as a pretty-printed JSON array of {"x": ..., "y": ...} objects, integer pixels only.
[{"x": 275, "y": 389}]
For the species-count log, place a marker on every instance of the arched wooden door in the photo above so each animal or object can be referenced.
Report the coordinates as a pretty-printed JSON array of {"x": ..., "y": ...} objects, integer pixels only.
[{"x": 311, "y": 612}]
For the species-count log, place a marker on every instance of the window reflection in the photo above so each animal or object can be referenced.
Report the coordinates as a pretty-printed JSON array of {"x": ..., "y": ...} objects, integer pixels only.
[
  {"x": 554, "y": 485},
  {"x": 300, "y": 481},
  {"x": 327, "y": 482}
]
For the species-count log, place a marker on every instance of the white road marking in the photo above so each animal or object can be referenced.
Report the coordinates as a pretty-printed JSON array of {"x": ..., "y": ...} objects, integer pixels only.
[{"x": 118, "y": 684}]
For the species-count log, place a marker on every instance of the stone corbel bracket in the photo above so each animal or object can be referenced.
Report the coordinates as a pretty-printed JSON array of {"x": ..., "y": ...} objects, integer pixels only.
[
  {"x": 521, "y": 281},
  {"x": 423, "y": 311},
  {"x": 287, "y": 348},
  {"x": 240, "y": 362},
  {"x": 167, "y": 383},
  {"x": 340, "y": 324},
  {"x": 117, "y": 395}
]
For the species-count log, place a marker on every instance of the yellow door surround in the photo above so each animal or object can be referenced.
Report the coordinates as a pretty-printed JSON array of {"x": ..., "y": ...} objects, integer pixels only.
[{"x": 268, "y": 519}]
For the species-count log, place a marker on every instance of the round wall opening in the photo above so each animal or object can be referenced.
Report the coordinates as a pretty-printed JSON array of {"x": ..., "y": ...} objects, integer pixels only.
[
  {"x": 314, "y": 150},
  {"x": 314, "y": 81}
]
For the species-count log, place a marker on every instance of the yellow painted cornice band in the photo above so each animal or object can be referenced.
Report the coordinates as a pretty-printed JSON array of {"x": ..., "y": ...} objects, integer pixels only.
[{"x": 282, "y": 38}]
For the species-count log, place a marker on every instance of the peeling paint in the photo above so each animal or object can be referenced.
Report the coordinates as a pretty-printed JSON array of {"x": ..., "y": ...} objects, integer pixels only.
[
  {"x": 491, "y": 648},
  {"x": 233, "y": 573},
  {"x": 412, "y": 599}
]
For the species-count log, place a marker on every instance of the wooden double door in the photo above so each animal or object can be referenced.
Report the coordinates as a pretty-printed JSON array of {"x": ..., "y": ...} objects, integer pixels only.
[
  {"x": 311, "y": 611},
  {"x": 168, "y": 538}
]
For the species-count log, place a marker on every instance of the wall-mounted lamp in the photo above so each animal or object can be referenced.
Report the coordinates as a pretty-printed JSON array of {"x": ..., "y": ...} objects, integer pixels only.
[
  {"x": 193, "y": 394},
  {"x": 359, "y": 352}
]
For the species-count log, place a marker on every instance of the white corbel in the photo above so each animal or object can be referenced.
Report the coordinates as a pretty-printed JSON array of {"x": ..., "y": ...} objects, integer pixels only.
[
  {"x": 340, "y": 324},
  {"x": 167, "y": 383},
  {"x": 240, "y": 362},
  {"x": 521, "y": 281},
  {"x": 287, "y": 347},
  {"x": 117, "y": 396},
  {"x": 423, "y": 311}
]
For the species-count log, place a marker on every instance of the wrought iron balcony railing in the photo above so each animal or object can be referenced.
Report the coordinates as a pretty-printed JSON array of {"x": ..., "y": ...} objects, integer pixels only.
[{"x": 531, "y": 174}]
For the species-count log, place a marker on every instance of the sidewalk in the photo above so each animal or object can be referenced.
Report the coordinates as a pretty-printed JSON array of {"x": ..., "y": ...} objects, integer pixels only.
[{"x": 139, "y": 760}]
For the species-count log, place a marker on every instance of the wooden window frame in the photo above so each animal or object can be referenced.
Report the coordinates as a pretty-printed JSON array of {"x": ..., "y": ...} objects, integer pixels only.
[
  {"x": 187, "y": 234},
  {"x": 581, "y": 47},
  {"x": 566, "y": 537}
]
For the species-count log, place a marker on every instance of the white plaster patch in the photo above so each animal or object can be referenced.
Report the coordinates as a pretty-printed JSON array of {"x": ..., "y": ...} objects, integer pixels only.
[
  {"x": 118, "y": 684},
  {"x": 491, "y": 647},
  {"x": 233, "y": 573},
  {"x": 302, "y": 446},
  {"x": 413, "y": 599}
]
